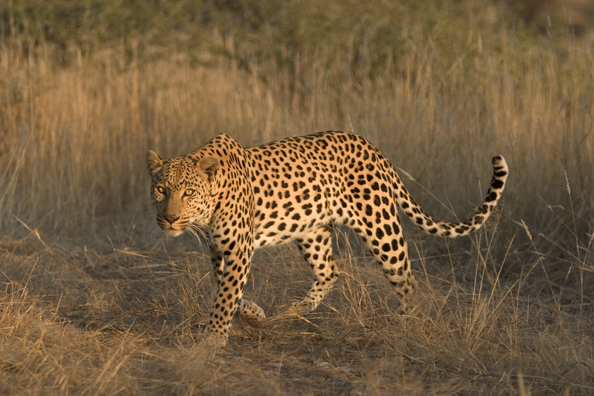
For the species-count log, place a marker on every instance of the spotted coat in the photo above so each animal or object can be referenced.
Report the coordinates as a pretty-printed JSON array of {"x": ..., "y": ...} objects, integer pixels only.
[{"x": 294, "y": 189}]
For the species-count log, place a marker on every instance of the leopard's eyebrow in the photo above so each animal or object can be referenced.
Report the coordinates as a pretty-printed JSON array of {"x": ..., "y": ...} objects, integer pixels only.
[{"x": 174, "y": 177}]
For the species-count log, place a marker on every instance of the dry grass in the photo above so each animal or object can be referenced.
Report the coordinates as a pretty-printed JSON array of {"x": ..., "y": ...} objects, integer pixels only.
[
  {"x": 82, "y": 321},
  {"x": 94, "y": 300}
]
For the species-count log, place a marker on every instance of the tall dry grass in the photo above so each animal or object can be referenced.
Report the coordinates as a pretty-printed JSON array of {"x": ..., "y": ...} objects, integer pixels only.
[
  {"x": 95, "y": 301},
  {"x": 85, "y": 128}
]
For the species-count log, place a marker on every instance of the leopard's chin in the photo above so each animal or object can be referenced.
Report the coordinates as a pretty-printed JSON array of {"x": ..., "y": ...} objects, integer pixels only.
[{"x": 173, "y": 232}]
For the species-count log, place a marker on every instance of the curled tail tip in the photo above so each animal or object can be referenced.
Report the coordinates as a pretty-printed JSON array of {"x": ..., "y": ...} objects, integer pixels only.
[
  {"x": 498, "y": 160},
  {"x": 500, "y": 171}
]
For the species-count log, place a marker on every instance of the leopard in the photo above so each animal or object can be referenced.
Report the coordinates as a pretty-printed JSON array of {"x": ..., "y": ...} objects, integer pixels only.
[{"x": 295, "y": 189}]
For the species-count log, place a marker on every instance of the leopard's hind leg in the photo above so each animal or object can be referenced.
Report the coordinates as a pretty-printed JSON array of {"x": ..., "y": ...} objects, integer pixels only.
[{"x": 389, "y": 248}]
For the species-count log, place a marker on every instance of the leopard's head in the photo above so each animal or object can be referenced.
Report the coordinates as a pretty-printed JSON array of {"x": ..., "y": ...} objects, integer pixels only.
[{"x": 182, "y": 191}]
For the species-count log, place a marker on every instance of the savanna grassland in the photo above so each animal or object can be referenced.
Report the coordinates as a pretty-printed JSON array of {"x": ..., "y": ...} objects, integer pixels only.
[{"x": 95, "y": 300}]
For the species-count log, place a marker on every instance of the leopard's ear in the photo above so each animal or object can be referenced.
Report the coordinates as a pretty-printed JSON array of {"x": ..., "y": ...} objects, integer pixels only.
[
  {"x": 209, "y": 166},
  {"x": 154, "y": 162}
]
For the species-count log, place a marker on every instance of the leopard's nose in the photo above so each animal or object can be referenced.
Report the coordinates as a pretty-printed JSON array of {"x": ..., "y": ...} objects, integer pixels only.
[{"x": 171, "y": 218}]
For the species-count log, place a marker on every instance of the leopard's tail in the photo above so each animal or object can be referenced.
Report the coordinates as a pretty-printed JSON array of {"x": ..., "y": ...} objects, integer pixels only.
[{"x": 453, "y": 230}]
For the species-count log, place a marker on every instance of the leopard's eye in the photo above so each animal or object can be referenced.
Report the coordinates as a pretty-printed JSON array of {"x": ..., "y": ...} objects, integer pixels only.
[
  {"x": 189, "y": 192},
  {"x": 160, "y": 189}
]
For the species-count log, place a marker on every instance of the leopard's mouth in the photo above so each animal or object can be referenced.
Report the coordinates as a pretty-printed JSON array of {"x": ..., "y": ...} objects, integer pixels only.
[{"x": 171, "y": 229}]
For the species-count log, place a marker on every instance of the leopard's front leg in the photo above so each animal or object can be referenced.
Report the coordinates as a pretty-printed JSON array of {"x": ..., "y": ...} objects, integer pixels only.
[
  {"x": 248, "y": 310},
  {"x": 236, "y": 257}
]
